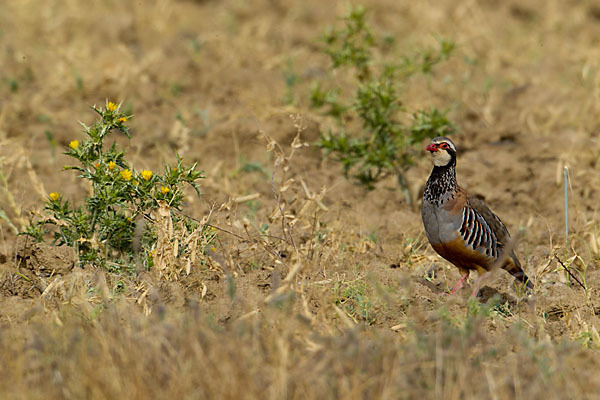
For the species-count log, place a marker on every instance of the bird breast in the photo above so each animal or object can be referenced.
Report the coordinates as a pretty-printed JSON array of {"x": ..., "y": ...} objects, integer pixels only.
[{"x": 441, "y": 225}]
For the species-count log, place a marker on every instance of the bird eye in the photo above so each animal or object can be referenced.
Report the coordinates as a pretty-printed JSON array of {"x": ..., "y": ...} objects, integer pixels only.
[{"x": 443, "y": 146}]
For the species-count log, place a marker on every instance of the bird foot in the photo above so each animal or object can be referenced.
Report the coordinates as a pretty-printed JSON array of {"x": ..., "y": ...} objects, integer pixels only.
[
  {"x": 455, "y": 289},
  {"x": 459, "y": 285},
  {"x": 478, "y": 284}
]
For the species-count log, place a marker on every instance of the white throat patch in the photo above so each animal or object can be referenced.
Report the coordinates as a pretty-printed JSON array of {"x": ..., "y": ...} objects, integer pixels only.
[{"x": 441, "y": 158}]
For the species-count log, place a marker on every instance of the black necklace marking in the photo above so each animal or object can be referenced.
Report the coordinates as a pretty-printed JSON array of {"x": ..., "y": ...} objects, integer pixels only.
[{"x": 441, "y": 184}]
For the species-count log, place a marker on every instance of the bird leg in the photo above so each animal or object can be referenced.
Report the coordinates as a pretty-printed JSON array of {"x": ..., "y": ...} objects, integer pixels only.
[
  {"x": 478, "y": 283},
  {"x": 460, "y": 283}
]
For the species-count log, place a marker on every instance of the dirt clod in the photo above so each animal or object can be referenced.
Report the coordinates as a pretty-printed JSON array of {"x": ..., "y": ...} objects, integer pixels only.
[{"x": 43, "y": 259}]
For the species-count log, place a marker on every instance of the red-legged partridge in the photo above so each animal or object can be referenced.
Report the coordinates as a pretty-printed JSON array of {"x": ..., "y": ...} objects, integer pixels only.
[{"x": 461, "y": 228}]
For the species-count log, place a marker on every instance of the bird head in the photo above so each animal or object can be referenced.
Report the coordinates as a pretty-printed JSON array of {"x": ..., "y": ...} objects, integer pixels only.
[{"x": 442, "y": 150}]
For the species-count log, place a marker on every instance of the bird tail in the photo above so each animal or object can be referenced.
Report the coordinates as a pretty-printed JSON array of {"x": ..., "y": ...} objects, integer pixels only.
[{"x": 515, "y": 269}]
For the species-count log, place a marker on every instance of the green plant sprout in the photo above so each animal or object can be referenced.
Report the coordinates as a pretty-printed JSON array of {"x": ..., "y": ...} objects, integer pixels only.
[{"x": 353, "y": 299}]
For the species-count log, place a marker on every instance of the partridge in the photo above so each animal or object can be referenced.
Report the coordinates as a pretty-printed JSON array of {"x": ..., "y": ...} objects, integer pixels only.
[{"x": 462, "y": 228}]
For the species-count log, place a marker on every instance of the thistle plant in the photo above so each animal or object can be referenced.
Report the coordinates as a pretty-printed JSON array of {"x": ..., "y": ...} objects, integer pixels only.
[
  {"x": 387, "y": 141},
  {"x": 103, "y": 229}
]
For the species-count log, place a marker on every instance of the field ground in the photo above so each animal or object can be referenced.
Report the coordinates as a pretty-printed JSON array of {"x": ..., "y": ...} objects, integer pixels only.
[{"x": 349, "y": 301}]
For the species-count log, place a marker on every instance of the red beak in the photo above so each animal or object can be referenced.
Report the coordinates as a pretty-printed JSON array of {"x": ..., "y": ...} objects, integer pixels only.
[{"x": 431, "y": 147}]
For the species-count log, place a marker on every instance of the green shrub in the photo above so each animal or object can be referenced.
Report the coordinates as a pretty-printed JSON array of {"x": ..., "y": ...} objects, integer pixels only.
[
  {"x": 387, "y": 141},
  {"x": 103, "y": 229}
]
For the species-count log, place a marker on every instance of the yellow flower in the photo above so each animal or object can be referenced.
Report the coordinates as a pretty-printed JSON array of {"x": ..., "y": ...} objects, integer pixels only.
[
  {"x": 135, "y": 182},
  {"x": 123, "y": 119},
  {"x": 111, "y": 106},
  {"x": 126, "y": 174},
  {"x": 74, "y": 144},
  {"x": 111, "y": 165},
  {"x": 54, "y": 196},
  {"x": 146, "y": 175},
  {"x": 164, "y": 190},
  {"x": 97, "y": 165}
]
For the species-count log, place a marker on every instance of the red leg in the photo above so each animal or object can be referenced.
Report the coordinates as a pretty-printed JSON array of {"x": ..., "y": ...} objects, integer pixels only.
[
  {"x": 460, "y": 283},
  {"x": 475, "y": 289},
  {"x": 477, "y": 285}
]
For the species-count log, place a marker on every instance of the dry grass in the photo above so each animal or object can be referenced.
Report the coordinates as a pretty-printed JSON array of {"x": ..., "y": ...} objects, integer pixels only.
[
  {"x": 315, "y": 289},
  {"x": 124, "y": 355}
]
